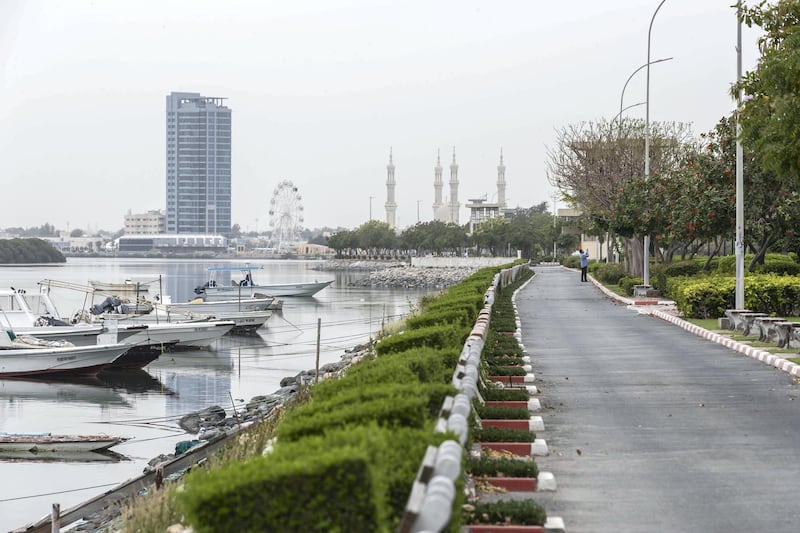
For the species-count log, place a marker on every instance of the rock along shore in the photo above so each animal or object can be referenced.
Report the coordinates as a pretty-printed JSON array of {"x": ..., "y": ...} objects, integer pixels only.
[{"x": 396, "y": 274}]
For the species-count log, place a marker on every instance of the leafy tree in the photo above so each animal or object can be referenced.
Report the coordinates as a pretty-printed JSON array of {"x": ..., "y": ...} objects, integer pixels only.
[
  {"x": 77, "y": 232},
  {"x": 592, "y": 163},
  {"x": 769, "y": 118},
  {"x": 236, "y": 231}
]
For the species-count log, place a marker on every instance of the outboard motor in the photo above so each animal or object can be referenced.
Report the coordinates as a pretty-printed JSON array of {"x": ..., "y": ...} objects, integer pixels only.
[{"x": 107, "y": 305}]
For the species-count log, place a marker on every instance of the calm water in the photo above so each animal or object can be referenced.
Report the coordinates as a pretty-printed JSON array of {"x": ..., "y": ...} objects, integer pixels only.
[{"x": 146, "y": 404}]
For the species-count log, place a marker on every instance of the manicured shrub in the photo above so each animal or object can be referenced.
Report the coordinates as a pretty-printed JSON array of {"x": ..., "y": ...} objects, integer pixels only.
[
  {"x": 571, "y": 261},
  {"x": 509, "y": 395},
  {"x": 412, "y": 405},
  {"x": 627, "y": 284},
  {"x": 297, "y": 494},
  {"x": 505, "y": 512},
  {"x": 504, "y": 360},
  {"x": 459, "y": 316},
  {"x": 432, "y": 337},
  {"x": 503, "y": 435},
  {"x": 609, "y": 273},
  {"x": 502, "y": 467},
  {"x": 493, "y": 370},
  {"x": 501, "y": 412}
]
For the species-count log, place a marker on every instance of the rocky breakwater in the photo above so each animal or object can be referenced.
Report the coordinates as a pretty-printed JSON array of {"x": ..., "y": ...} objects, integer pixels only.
[
  {"x": 414, "y": 277},
  {"x": 397, "y": 274}
]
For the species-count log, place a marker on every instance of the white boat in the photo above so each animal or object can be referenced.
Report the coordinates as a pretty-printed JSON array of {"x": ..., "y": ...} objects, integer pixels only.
[
  {"x": 215, "y": 307},
  {"x": 246, "y": 322},
  {"x": 197, "y": 334},
  {"x": 47, "y": 442},
  {"x": 25, "y": 359},
  {"x": 32, "y": 313},
  {"x": 147, "y": 336},
  {"x": 247, "y": 286}
]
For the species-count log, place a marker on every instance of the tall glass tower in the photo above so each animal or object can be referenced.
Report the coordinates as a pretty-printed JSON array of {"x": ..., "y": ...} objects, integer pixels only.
[{"x": 198, "y": 164}]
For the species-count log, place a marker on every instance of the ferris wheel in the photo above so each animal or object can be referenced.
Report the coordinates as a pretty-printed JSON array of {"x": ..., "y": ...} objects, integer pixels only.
[{"x": 285, "y": 214}]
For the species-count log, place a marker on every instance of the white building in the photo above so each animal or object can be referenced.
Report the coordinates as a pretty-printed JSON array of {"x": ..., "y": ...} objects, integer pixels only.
[{"x": 145, "y": 223}]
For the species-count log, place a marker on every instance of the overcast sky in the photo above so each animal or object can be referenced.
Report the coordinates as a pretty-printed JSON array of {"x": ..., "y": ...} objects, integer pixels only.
[{"x": 320, "y": 90}]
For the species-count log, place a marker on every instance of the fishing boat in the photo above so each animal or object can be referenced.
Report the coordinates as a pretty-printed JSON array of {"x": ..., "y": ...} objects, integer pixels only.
[
  {"x": 27, "y": 356},
  {"x": 33, "y": 313},
  {"x": 213, "y": 289},
  {"x": 48, "y": 442}
]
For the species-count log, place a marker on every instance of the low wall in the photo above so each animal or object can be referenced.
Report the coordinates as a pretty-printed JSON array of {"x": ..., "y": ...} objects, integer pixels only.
[{"x": 460, "y": 262}]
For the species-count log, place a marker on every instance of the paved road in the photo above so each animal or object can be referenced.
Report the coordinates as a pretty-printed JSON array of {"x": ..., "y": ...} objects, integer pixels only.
[{"x": 651, "y": 428}]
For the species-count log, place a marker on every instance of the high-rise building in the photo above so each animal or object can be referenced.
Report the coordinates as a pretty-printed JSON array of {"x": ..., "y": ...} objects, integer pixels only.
[{"x": 198, "y": 164}]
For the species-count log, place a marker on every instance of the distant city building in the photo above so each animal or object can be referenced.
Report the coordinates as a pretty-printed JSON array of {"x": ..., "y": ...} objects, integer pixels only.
[
  {"x": 480, "y": 210},
  {"x": 145, "y": 223},
  {"x": 171, "y": 244},
  {"x": 198, "y": 165}
]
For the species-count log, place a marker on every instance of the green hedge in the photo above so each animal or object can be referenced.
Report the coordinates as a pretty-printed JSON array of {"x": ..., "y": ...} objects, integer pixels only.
[
  {"x": 459, "y": 316},
  {"x": 420, "y": 365},
  {"x": 503, "y": 435},
  {"x": 502, "y": 467},
  {"x": 501, "y": 412},
  {"x": 301, "y": 493},
  {"x": 404, "y": 405},
  {"x": 773, "y": 264},
  {"x": 432, "y": 337},
  {"x": 518, "y": 512},
  {"x": 510, "y": 395},
  {"x": 710, "y": 296},
  {"x": 609, "y": 273}
]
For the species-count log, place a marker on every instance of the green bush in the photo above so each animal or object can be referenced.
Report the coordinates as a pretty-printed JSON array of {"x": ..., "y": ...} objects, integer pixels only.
[
  {"x": 432, "y": 337},
  {"x": 509, "y": 395},
  {"x": 495, "y": 370},
  {"x": 609, "y": 273},
  {"x": 501, "y": 412},
  {"x": 773, "y": 263},
  {"x": 297, "y": 494},
  {"x": 707, "y": 297},
  {"x": 571, "y": 261},
  {"x": 504, "y": 435},
  {"x": 627, "y": 284},
  {"x": 504, "y": 360},
  {"x": 458, "y": 316},
  {"x": 504, "y": 512},
  {"x": 502, "y": 467},
  {"x": 404, "y": 405}
]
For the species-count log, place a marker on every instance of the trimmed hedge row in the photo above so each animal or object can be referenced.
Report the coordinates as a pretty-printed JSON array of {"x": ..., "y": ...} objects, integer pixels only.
[
  {"x": 710, "y": 296},
  {"x": 346, "y": 460}
]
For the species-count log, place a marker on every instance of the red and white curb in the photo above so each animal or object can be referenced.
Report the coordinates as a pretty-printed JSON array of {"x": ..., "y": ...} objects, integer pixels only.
[{"x": 756, "y": 353}]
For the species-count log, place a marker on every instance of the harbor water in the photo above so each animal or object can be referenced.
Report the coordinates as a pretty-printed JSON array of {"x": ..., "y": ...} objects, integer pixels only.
[{"x": 146, "y": 404}]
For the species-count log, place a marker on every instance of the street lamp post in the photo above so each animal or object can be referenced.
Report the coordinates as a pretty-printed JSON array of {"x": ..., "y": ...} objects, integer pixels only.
[
  {"x": 739, "y": 295},
  {"x": 622, "y": 95},
  {"x": 646, "y": 251},
  {"x": 370, "y": 207},
  {"x": 418, "y": 201}
]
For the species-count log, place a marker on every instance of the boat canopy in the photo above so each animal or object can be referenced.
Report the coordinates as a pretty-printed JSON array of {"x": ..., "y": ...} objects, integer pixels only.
[{"x": 234, "y": 269}]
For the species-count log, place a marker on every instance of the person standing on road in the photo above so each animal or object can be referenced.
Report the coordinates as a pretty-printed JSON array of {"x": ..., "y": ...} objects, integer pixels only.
[{"x": 584, "y": 263}]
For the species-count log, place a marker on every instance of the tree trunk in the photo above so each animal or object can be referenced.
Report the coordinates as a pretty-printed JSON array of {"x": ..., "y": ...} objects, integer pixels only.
[{"x": 634, "y": 256}]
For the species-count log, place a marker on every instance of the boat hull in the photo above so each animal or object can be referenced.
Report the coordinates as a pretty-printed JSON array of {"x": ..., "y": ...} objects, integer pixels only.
[
  {"x": 54, "y": 443},
  {"x": 178, "y": 334},
  {"x": 49, "y": 361},
  {"x": 279, "y": 289}
]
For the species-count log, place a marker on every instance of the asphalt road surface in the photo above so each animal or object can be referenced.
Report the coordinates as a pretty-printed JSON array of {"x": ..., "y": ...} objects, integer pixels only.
[{"x": 651, "y": 428}]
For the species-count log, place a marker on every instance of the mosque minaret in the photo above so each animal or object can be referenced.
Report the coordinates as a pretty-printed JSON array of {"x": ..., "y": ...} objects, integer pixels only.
[
  {"x": 391, "y": 205},
  {"x": 501, "y": 182},
  {"x": 454, "y": 206},
  {"x": 437, "y": 188}
]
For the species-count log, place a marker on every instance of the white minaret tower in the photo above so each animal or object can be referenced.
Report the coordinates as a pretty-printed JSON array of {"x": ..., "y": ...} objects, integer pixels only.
[
  {"x": 454, "y": 206},
  {"x": 501, "y": 182},
  {"x": 437, "y": 188},
  {"x": 391, "y": 206}
]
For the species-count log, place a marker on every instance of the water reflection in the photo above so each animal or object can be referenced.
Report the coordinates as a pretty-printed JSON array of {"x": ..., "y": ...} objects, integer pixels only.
[{"x": 26, "y": 456}]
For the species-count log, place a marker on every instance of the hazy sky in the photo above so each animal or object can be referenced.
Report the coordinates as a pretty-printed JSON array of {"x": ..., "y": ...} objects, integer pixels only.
[{"x": 321, "y": 89}]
